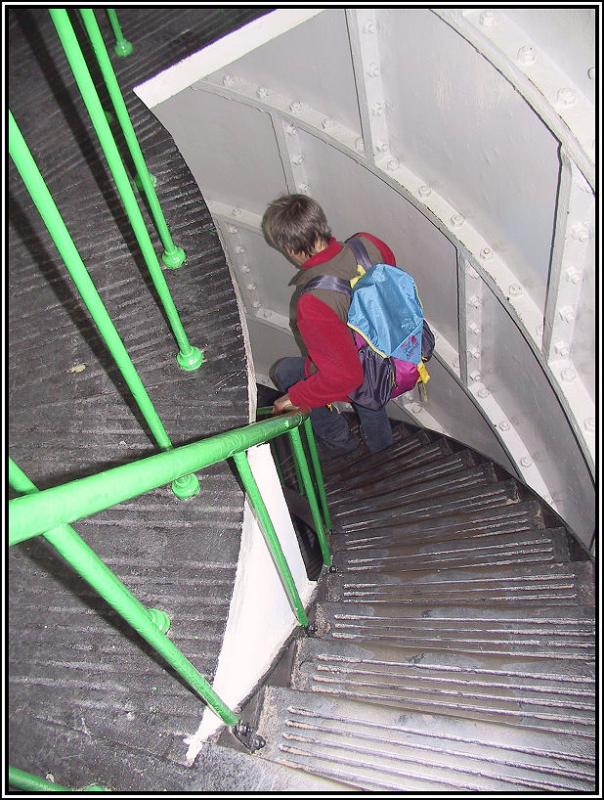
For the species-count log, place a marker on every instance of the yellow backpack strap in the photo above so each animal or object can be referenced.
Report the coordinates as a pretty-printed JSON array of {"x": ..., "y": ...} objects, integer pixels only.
[{"x": 360, "y": 272}]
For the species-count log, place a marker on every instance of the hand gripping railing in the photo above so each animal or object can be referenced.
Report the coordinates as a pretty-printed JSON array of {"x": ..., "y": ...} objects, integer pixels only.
[
  {"x": 48, "y": 513},
  {"x": 27, "y": 782}
]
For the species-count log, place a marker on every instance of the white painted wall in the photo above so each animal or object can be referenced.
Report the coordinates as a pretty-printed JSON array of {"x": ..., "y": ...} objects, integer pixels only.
[
  {"x": 260, "y": 617},
  {"x": 465, "y": 139}
]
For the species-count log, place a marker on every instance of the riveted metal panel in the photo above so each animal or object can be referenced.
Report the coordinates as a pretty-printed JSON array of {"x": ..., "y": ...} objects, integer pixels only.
[
  {"x": 568, "y": 36},
  {"x": 219, "y": 140},
  {"x": 315, "y": 68},
  {"x": 458, "y": 123},
  {"x": 512, "y": 374},
  {"x": 584, "y": 345}
]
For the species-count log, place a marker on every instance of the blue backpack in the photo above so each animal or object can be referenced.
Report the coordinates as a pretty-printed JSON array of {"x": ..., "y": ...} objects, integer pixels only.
[{"x": 392, "y": 337}]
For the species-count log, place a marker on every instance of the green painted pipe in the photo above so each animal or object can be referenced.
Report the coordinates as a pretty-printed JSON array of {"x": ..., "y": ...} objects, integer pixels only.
[
  {"x": 300, "y": 459},
  {"x": 318, "y": 473},
  {"x": 47, "y": 208},
  {"x": 86, "y": 563},
  {"x": 122, "y": 46},
  {"x": 32, "y": 783},
  {"x": 270, "y": 536},
  {"x": 189, "y": 357},
  {"x": 173, "y": 256},
  {"x": 31, "y": 516}
]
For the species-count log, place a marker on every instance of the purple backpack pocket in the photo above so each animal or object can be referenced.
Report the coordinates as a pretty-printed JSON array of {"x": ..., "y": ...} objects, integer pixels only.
[{"x": 404, "y": 378}]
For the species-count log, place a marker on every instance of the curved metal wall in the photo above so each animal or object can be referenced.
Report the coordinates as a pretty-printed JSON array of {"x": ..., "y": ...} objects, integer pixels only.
[{"x": 466, "y": 140}]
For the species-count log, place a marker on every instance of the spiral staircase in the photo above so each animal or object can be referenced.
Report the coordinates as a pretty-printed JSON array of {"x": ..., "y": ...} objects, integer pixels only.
[{"x": 453, "y": 648}]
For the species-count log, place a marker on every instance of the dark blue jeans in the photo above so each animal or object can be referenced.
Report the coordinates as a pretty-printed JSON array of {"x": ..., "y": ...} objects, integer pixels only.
[{"x": 329, "y": 426}]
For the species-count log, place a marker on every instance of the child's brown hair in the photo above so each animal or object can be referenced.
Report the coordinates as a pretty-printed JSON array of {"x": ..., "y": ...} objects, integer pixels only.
[{"x": 295, "y": 223}]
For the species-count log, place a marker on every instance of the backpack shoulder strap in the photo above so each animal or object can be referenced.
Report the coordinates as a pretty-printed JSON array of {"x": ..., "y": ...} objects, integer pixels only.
[
  {"x": 330, "y": 282},
  {"x": 360, "y": 252}
]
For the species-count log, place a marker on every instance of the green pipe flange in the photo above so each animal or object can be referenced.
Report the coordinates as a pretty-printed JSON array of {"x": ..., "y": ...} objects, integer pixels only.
[
  {"x": 191, "y": 362},
  {"x": 175, "y": 259},
  {"x": 123, "y": 48},
  {"x": 160, "y": 619},
  {"x": 186, "y": 487}
]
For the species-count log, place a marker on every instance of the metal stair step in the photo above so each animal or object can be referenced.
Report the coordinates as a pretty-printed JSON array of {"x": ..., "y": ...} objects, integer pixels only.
[
  {"x": 380, "y": 466},
  {"x": 462, "y": 503},
  {"x": 482, "y": 475},
  {"x": 401, "y": 444},
  {"x": 495, "y": 551},
  {"x": 449, "y": 684},
  {"x": 375, "y": 748},
  {"x": 546, "y": 633},
  {"x": 449, "y": 465},
  {"x": 543, "y": 584},
  {"x": 522, "y": 516}
]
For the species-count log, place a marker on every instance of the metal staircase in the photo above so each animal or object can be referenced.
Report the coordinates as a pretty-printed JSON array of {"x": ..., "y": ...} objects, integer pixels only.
[{"x": 455, "y": 643}]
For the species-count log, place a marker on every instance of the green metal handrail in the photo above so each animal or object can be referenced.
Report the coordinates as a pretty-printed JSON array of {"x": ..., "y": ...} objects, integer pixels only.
[
  {"x": 32, "y": 783},
  {"x": 49, "y": 512},
  {"x": 59, "y": 505},
  {"x": 189, "y": 357},
  {"x": 173, "y": 256},
  {"x": 122, "y": 46},
  {"x": 51, "y": 216}
]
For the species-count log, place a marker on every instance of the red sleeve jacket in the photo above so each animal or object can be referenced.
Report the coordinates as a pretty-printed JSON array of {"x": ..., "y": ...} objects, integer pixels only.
[{"x": 329, "y": 342}]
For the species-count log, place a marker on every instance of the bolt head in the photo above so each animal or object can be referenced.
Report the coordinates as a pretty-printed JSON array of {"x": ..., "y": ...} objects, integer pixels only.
[
  {"x": 567, "y": 314},
  {"x": 297, "y": 160},
  {"x": 526, "y": 55},
  {"x": 327, "y": 124},
  {"x": 504, "y": 426},
  {"x": 590, "y": 424},
  {"x": 475, "y": 376},
  {"x": 486, "y": 253},
  {"x": 580, "y": 232},
  {"x": 591, "y": 73},
  {"x": 566, "y": 97},
  {"x": 483, "y": 393},
  {"x": 525, "y": 461},
  {"x": 359, "y": 146},
  {"x": 304, "y": 188},
  {"x": 239, "y": 250},
  {"x": 232, "y": 229},
  {"x": 393, "y": 164},
  {"x": 228, "y": 80},
  {"x": 424, "y": 191},
  {"x": 291, "y": 130},
  {"x": 369, "y": 27},
  {"x": 262, "y": 92},
  {"x": 515, "y": 290},
  {"x": 457, "y": 220},
  {"x": 244, "y": 268},
  {"x": 487, "y": 19},
  {"x": 562, "y": 349},
  {"x": 474, "y": 302},
  {"x": 236, "y": 212},
  {"x": 474, "y": 328},
  {"x": 295, "y": 107},
  {"x": 377, "y": 109},
  {"x": 573, "y": 276},
  {"x": 474, "y": 352},
  {"x": 251, "y": 287},
  {"x": 256, "y": 304},
  {"x": 568, "y": 374},
  {"x": 373, "y": 70}
]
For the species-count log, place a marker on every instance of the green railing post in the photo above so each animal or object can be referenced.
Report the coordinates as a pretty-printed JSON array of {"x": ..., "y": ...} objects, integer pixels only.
[
  {"x": 82, "y": 558},
  {"x": 32, "y": 783},
  {"x": 270, "y": 536},
  {"x": 300, "y": 458},
  {"x": 189, "y": 358},
  {"x": 318, "y": 473},
  {"x": 172, "y": 256},
  {"x": 34, "y": 182},
  {"x": 122, "y": 46}
]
